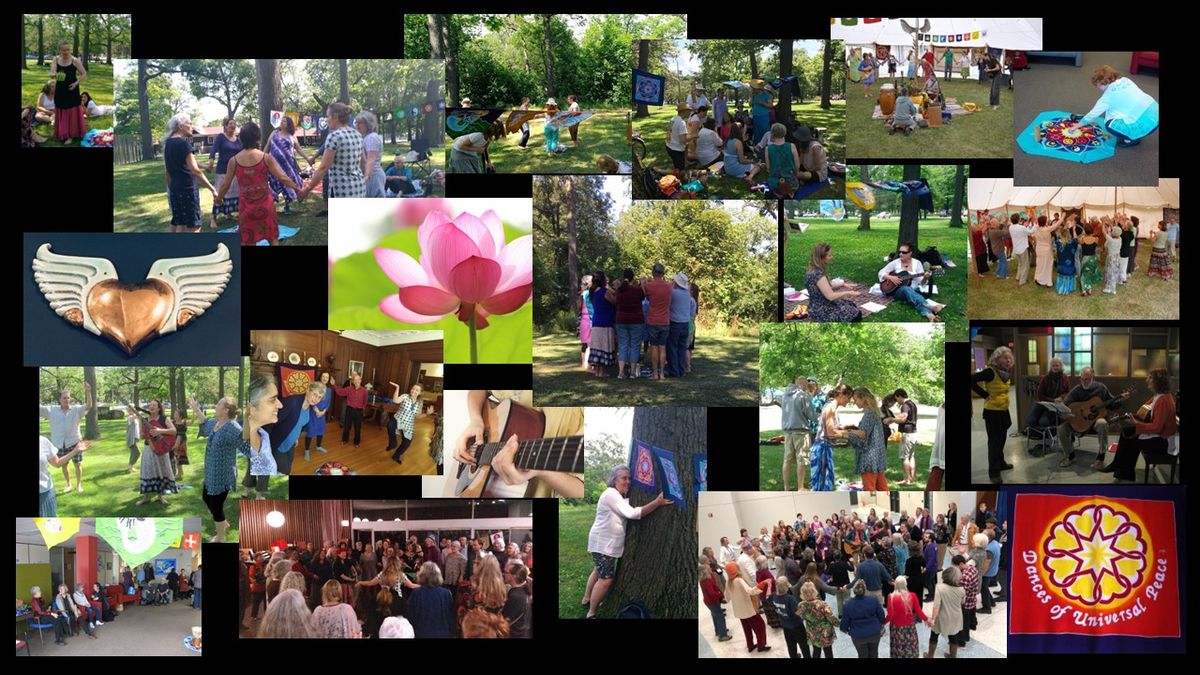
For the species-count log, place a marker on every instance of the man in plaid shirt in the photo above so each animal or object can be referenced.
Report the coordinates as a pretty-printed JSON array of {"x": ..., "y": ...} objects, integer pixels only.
[{"x": 970, "y": 586}]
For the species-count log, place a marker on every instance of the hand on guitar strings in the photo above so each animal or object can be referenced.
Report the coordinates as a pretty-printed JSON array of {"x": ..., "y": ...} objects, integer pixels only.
[
  {"x": 504, "y": 465},
  {"x": 467, "y": 440}
]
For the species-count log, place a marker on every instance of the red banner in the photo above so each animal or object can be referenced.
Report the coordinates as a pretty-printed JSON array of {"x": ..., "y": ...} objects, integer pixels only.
[
  {"x": 1093, "y": 565},
  {"x": 294, "y": 381}
]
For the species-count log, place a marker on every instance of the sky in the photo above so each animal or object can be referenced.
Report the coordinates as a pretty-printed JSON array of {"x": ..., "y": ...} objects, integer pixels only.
[
  {"x": 616, "y": 421},
  {"x": 688, "y": 64}
]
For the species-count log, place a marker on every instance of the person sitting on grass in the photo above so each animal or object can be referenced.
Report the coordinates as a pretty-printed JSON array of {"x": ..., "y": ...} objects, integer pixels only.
[
  {"x": 399, "y": 178},
  {"x": 610, "y": 165},
  {"x": 92, "y": 109},
  {"x": 814, "y": 165},
  {"x": 45, "y": 104},
  {"x": 738, "y": 163},
  {"x": 907, "y": 289},
  {"x": 1129, "y": 113},
  {"x": 708, "y": 144},
  {"x": 782, "y": 163},
  {"x": 905, "y": 116}
]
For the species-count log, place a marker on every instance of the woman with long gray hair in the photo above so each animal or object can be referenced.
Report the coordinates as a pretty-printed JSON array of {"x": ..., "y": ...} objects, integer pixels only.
[
  {"x": 371, "y": 166},
  {"x": 183, "y": 172},
  {"x": 606, "y": 540}
]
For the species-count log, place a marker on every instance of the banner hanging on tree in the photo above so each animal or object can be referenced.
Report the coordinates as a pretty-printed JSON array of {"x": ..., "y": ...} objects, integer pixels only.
[
  {"x": 137, "y": 540},
  {"x": 276, "y": 118},
  {"x": 648, "y": 88},
  {"x": 700, "y": 464},
  {"x": 642, "y": 462},
  {"x": 463, "y": 121},
  {"x": 1095, "y": 566},
  {"x": 322, "y": 123},
  {"x": 307, "y": 122},
  {"x": 295, "y": 118},
  {"x": 672, "y": 485},
  {"x": 56, "y": 530}
]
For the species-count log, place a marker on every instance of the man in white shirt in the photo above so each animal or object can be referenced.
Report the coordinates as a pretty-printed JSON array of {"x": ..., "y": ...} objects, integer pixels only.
[
  {"x": 1020, "y": 246},
  {"x": 697, "y": 98},
  {"x": 907, "y": 289},
  {"x": 64, "y": 430},
  {"x": 746, "y": 565},
  {"x": 728, "y": 552},
  {"x": 677, "y": 137}
]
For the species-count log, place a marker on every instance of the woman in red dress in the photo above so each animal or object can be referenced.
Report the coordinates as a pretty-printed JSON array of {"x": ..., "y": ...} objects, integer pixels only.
[{"x": 251, "y": 166}]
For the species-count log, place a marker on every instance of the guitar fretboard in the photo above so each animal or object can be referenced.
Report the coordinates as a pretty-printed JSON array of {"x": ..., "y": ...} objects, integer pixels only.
[{"x": 564, "y": 453}]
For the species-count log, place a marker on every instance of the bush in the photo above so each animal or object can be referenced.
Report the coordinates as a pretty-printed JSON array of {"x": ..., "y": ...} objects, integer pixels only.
[{"x": 563, "y": 321}]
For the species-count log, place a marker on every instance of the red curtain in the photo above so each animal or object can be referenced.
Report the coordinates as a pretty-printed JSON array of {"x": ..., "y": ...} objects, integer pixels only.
[{"x": 304, "y": 520}]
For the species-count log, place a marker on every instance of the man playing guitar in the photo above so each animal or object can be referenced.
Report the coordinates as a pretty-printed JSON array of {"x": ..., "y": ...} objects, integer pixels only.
[
  {"x": 1088, "y": 388},
  {"x": 902, "y": 276}
]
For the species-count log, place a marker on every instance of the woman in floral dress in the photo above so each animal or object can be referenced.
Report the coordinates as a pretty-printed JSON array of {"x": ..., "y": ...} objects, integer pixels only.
[{"x": 819, "y": 621}]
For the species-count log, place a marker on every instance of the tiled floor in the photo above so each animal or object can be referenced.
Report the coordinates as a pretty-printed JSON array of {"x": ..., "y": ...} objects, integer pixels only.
[
  {"x": 1028, "y": 469},
  {"x": 989, "y": 640}
]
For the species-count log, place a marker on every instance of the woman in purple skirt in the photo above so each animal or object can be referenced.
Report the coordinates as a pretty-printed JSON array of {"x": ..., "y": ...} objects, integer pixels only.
[{"x": 283, "y": 146}]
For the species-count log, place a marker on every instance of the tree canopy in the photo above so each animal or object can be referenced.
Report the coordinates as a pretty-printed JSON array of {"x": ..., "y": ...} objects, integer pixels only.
[
  {"x": 880, "y": 357},
  {"x": 941, "y": 179},
  {"x": 91, "y": 35}
]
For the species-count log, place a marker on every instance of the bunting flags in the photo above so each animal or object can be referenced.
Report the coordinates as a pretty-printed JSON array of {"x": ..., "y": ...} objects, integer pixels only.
[{"x": 276, "y": 118}]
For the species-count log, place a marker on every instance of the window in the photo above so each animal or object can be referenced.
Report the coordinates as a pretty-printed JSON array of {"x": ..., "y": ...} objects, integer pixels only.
[
  {"x": 1112, "y": 355},
  {"x": 1074, "y": 347},
  {"x": 1031, "y": 348}
]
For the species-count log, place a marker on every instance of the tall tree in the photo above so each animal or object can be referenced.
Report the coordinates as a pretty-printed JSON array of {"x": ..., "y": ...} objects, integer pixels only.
[
  {"x": 442, "y": 47},
  {"x": 644, "y": 65},
  {"x": 41, "y": 39},
  {"x": 75, "y": 46},
  {"x": 269, "y": 95},
  {"x": 658, "y": 568},
  {"x": 960, "y": 181},
  {"x": 864, "y": 216},
  {"x": 572, "y": 239},
  {"x": 343, "y": 82},
  {"x": 909, "y": 209},
  {"x": 548, "y": 55},
  {"x": 221, "y": 382},
  {"x": 826, "y": 73},
  {"x": 91, "y": 429},
  {"x": 229, "y": 82},
  {"x": 87, "y": 40},
  {"x": 148, "y": 70},
  {"x": 24, "y": 47},
  {"x": 783, "y": 109}
]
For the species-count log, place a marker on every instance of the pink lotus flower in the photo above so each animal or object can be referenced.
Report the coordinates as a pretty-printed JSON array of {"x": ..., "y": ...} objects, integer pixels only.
[
  {"x": 412, "y": 212},
  {"x": 465, "y": 269}
]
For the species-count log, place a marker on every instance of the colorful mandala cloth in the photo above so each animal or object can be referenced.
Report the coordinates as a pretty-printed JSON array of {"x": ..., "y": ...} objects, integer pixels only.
[
  {"x": 1052, "y": 134},
  {"x": 648, "y": 88},
  {"x": 334, "y": 469}
]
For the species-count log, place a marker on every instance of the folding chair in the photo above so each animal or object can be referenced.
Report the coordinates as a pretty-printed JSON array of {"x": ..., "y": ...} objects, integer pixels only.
[{"x": 419, "y": 156}]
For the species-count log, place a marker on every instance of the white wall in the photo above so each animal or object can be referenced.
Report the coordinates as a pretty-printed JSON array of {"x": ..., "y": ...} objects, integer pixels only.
[
  {"x": 32, "y": 553},
  {"x": 966, "y": 501},
  {"x": 723, "y": 514}
]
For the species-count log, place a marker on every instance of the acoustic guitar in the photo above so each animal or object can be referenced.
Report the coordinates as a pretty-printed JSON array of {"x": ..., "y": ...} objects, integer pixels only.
[
  {"x": 889, "y": 287},
  {"x": 851, "y": 547},
  {"x": 1085, "y": 413},
  {"x": 500, "y": 422}
]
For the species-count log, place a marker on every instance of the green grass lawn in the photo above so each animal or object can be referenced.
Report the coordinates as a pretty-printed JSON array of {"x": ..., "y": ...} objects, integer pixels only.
[
  {"x": 654, "y": 129},
  {"x": 99, "y": 84},
  {"x": 724, "y": 373},
  {"x": 987, "y": 133},
  {"x": 1143, "y": 297},
  {"x": 604, "y": 133},
  {"x": 574, "y": 561},
  {"x": 109, "y": 491},
  {"x": 140, "y": 204},
  {"x": 770, "y": 464},
  {"x": 858, "y": 256}
]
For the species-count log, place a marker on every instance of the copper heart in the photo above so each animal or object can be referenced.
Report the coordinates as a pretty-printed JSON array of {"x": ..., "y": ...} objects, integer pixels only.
[{"x": 130, "y": 314}]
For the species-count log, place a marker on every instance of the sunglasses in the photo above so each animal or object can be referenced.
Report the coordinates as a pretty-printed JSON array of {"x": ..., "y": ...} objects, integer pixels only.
[{"x": 905, "y": 252}]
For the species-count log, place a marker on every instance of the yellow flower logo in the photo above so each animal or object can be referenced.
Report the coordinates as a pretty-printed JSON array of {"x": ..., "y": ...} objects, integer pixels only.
[
  {"x": 1095, "y": 554},
  {"x": 297, "y": 382}
]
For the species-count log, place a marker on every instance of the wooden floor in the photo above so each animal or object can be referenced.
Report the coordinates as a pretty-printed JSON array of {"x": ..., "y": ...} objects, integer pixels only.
[{"x": 369, "y": 459}]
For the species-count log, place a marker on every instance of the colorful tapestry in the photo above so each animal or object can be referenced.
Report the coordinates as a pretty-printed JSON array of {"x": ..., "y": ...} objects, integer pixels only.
[
  {"x": 1053, "y": 134},
  {"x": 833, "y": 208},
  {"x": 1094, "y": 565},
  {"x": 672, "y": 483},
  {"x": 163, "y": 566},
  {"x": 294, "y": 381},
  {"x": 861, "y": 195},
  {"x": 463, "y": 121},
  {"x": 276, "y": 118},
  {"x": 295, "y": 118},
  {"x": 137, "y": 540},
  {"x": 322, "y": 123},
  {"x": 517, "y": 118},
  {"x": 643, "y": 466},
  {"x": 307, "y": 122},
  {"x": 648, "y": 88},
  {"x": 564, "y": 120},
  {"x": 56, "y": 530},
  {"x": 700, "y": 464}
]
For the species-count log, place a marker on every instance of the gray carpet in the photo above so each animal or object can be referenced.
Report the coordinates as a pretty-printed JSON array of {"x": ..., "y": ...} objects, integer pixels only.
[
  {"x": 139, "y": 631},
  {"x": 1056, "y": 84}
]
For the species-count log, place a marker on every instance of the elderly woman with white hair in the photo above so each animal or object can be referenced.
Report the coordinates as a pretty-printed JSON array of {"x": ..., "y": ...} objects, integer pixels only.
[
  {"x": 43, "y": 612},
  {"x": 371, "y": 164},
  {"x": 903, "y": 609},
  {"x": 993, "y": 384},
  {"x": 606, "y": 540},
  {"x": 396, "y": 627},
  {"x": 947, "y": 617},
  {"x": 1054, "y": 386},
  {"x": 342, "y": 159},
  {"x": 288, "y": 616},
  {"x": 183, "y": 172}
]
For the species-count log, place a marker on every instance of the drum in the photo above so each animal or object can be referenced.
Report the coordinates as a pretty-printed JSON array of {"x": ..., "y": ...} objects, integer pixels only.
[{"x": 887, "y": 99}]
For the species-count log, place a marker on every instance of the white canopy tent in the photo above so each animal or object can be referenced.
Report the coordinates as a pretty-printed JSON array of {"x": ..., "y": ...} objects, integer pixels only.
[
  {"x": 1147, "y": 202},
  {"x": 1018, "y": 34}
]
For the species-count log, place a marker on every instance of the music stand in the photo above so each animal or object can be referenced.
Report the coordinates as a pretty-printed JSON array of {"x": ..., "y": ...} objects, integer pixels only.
[{"x": 1059, "y": 411}]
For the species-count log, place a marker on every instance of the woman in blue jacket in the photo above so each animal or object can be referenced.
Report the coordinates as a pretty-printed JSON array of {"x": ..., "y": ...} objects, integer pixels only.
[{"x": 862, "y": 618}]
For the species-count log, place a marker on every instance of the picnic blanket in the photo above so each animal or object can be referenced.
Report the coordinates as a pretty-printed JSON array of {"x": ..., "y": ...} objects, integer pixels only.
[
  {"x": 284, "y": 233},
  {"x": 869, "y": 304}
]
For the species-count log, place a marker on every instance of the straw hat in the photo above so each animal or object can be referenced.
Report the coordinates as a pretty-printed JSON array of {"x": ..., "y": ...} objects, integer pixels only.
[{"x": 681, "y": 280}]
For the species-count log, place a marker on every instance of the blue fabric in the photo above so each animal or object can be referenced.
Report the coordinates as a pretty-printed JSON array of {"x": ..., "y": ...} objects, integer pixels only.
[
  {"x": 648, "y": 88},
  {"x": 718, "y": 616},
  {"x": 911, "y": 296},
  {"x": 1001, "y": 265},
  {"x": 786, "y": 604},
  {"x": 47, "y": 504},
  {"x": 676, "y": 347},
  {"x": 431, "y": 612},
  {"x": 220, "y": 455},
  {"x": 993, "y": 548},
  {"x": 873, "y": 573},
  {"x": 863, "y": 617},
  {"x": 761, "y": 113},
  {"x": 603, "y": 313},
  {"x": 1029, "y": 145},
  {"x": 290, "y": 440},
  {"x": 733, "y": 166},
  {"x": 316, "y": 423},
  {"x": 284, "y": 233},
  {"x": 657, "y": 336},
  {"x": 672, "y": 481},
  {"x": 821, "y": 459},
  {"x": 629, "y": 341},
  {"x": 681, "y": 305}
]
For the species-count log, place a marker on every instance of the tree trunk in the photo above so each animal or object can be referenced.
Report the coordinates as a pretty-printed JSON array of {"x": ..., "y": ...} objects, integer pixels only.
[
  {"x": 242, "y": 385},
  {"x": 826, "y": 75},
  {"x": 269, "y": 95},
  {"x": 41, "y": 39},
  {"x": 548, "y": 54},
  {"x": 87, "y": 40},
  {"x": 24, "y": 66},
  {"x": 658, "y": 567},
  {"x": 783, "y": 109},
  {"x": 91, "y": 429},
  {"x": 221, "y": 382},
  {"x": 181, "y": 393},
  {"x": 435, "y": 123},
  {"x": 572, "y": 238},
  {"x": 144, "y": 113},
  {"x": 172, "y": 387},
  {"x": 344, "y": 82},
  {"x": 864, "y": 218},
  {"x": 643, "y": 64},
  {"x": 754, "y": 63},
  {"x": 909, "y": 211},
  {"x": 960, "y": 182},
  {"x": 440, "y": 47},
  {"x": 75, "y": 46},
  {"x": 137, "y": 393}
]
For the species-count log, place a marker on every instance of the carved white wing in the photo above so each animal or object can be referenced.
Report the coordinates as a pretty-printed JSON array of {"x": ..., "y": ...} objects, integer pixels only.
[
  {"x": 197, "y": 281},
  {"x": 66, "y": 280}
]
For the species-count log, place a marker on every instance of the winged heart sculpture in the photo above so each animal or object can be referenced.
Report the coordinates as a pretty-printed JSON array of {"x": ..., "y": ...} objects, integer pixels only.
[{"x": 87, "y": 292}]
